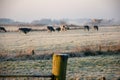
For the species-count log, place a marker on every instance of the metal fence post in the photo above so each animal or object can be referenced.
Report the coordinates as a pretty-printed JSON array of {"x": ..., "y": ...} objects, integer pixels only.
[{"x": 59, "y": 66}]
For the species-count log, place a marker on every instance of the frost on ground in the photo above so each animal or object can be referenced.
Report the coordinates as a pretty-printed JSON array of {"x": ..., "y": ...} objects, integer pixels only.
[
  {"x": 41, "y": 42},
  {"x": 78, "y": 68}
]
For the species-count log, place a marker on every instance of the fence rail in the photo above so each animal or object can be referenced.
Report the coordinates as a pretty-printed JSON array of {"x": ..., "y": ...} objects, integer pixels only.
[{"x": 44, "y": 76}]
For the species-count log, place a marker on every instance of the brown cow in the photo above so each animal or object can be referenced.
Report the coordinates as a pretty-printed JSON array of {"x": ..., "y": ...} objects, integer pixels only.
[{"x": 64, "y": 28}]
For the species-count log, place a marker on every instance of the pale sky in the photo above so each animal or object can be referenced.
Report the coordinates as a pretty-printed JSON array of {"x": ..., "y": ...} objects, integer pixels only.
[{"x": 28, "y": 10}]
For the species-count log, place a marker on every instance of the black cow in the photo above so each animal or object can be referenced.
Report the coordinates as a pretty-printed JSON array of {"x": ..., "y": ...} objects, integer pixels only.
[
  {"x": 86, "y": 27},
  {"x": 96, "y": 27},
  {"x": 67, "y": 28},
  {"x": 3, "y": 29},
  {"x": 58, "y": 29},
  {"x": 50, "y": 28},
  {"x": 25, "y": 30}
]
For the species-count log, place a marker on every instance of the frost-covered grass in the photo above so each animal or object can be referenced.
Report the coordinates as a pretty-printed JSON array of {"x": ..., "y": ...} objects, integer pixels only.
[
  {"x": 87, "y": 50},
  {"x": 46, "y": 42},
  {"x": 92, "y": 67}
]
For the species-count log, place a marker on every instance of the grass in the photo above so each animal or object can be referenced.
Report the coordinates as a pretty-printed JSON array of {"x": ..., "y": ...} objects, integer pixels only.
[
  {"x": 93, "y": 67},
  {"x": 92, "y": 55},
  {"x": 44, "y": 42},
  {"x": 79, "y": 53},
  {"x": 25, "y": 67}
]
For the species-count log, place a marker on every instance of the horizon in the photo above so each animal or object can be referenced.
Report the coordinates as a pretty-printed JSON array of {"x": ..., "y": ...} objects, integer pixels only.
[{"x": 29, "y": 10}]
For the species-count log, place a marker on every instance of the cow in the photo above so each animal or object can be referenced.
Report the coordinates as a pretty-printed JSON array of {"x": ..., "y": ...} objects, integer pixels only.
[
  {"x": 64, "y": 28},
  {"x": 95, "y": 27},
  {"x": 50, "y": 28},
  {"x": 58, "y": 29},
  {"x": 86, "y": 27},
  {"x": 25, "y": 30},
  {"x": 67, "y": 28},
  {"x": 3, "y": 29}
]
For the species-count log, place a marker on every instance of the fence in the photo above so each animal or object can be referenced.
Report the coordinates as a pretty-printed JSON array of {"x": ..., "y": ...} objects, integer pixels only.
[{"x": 58, "y": 69}]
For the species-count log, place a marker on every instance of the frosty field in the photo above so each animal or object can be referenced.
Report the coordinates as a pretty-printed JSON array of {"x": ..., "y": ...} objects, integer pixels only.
[
  {"x": 78, "y": 68},
  {"x": 15, "y": 42}
]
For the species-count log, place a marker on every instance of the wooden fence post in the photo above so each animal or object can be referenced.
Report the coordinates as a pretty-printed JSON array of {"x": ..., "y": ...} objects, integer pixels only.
[{"x": 59, "y": 66}]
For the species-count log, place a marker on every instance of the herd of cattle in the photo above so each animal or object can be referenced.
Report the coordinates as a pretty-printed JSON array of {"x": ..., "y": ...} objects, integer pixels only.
[
  {"x": 50, "y": 28},
  {"x": 61, "y": 28}
]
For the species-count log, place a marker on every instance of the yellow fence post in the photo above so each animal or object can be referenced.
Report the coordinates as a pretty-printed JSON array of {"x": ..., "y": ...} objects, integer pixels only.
[{"x": 59, "y": 66}]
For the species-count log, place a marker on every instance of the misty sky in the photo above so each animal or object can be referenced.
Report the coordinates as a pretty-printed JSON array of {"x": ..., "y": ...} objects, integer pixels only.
[{"x": 28, "y": 10}]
